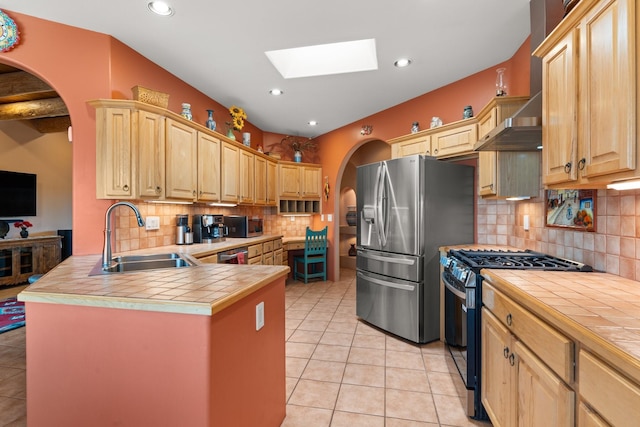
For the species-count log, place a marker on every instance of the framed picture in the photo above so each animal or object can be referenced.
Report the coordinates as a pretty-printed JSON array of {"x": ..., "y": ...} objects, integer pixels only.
[{"x": 573, "y": 209}]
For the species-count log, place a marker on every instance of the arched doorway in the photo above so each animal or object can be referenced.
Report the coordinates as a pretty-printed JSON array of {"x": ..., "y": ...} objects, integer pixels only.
[
  {"x": 368, "y": 151},
  {"x": 34, "y": 138}
]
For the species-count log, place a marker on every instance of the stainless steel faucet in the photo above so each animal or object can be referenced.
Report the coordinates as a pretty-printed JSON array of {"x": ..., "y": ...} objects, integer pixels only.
[{"x": 106, "y": 250}]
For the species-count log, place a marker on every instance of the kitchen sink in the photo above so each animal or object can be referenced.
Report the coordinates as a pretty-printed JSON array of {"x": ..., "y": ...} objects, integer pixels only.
[
  {"x": 133, "y": 263},
  {"x": 151, "y": 257}
]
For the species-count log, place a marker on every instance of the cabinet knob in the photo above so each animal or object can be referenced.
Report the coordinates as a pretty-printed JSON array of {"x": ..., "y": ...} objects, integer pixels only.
[
  {"x": 195, "y": 193},
  {"x": 158, "y": 189},
  {"x": 581, "y": 163},
  {"x": 509, "y": 319},
  {"x": 505, "y": 352},
  {"x": 435, "y": 151},
  {"x": 125, "y": 187},
  {"x": 567, "y": 167},
  {"x": 512, "y": 359}
]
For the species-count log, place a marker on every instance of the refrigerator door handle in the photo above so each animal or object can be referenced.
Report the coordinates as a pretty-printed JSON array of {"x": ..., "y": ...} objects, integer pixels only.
[
  {"x": 383, "y": 225},
  {"x": 389, "y": 260},
  {"x": 387, "y": 284}
]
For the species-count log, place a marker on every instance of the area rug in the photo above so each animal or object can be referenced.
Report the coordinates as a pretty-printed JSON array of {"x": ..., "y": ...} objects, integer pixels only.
[{"x": 11, "y": 314}]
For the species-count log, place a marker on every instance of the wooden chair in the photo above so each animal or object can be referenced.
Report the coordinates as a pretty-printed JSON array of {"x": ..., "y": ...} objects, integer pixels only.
[{"x": 315, "y": 253}]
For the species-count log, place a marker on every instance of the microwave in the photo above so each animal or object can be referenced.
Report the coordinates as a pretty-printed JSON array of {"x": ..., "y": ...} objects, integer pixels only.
[{"x": 242, "y": 226}]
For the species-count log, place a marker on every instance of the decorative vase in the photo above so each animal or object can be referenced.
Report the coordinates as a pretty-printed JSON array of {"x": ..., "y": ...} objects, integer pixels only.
[
  {"x": 24, "y": 233},
  {"x": 501, "y": 86},
  {"x": 230, "y": 134},
  {"x": 352, "y": 250},
  {"x": 210, "y": 123},
  {"x": 352, "y": 216},
  {"x": 415, "y": 127},
  {"x": 186, "y": 111},
  {"x": 246, "y": 139},
  {"x": 468, "y": 112},
  {"x": 297, "y": 157}
]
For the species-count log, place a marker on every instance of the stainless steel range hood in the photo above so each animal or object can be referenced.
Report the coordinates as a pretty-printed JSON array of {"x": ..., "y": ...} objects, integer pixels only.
[{"x": 520, "y": 132}]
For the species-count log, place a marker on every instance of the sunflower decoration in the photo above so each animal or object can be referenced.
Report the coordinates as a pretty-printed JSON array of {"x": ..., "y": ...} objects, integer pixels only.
[{"x": 238, "y": 116}]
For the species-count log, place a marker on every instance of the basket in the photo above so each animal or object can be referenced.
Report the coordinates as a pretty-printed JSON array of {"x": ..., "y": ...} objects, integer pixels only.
[{"x": 149, "y": 96}]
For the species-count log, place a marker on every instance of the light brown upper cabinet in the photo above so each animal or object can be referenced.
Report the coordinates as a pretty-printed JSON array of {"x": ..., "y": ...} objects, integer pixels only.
[
  {"x": 299, "y": 187},
  {"x": 589, "y": 113},
  {"x": 208, "y": 168}
]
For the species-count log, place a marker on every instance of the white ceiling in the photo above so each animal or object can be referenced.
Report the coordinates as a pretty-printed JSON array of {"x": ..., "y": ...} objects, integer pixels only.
[{"x": 218, "y": 48}]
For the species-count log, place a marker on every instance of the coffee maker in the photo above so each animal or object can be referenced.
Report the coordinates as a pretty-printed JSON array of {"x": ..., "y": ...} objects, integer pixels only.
[
  {"x": 208, "y": 228},
  {"x": 182, "y": 227}
]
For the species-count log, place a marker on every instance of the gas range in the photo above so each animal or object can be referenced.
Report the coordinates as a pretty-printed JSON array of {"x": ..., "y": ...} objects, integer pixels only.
[{"x": 463, "y": 302}]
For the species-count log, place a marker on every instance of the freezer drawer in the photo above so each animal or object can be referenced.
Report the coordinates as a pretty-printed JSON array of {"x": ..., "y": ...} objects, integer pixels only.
[
  {"x": 406, "y": 267},
  {"x": 390, "y": 304}
]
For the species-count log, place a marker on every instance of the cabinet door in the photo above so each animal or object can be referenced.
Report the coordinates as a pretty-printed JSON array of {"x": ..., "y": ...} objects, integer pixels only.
[
  {"x": 208, "y": 168},
  {"x": 418, "y": 145},
  {"x": 261, "y": 181},
  {"x": 455, "y": 141},
  {"x": 608, "y": 88},
  {"x": 487, "y": 176},
  {"x": 289, "y": 181},
  {"x": 498, "y": 381},
  {"x": 114, "y": 154},
  {"x": 151, "y": 152},
  {"x": 247, "y": 177},
  {"x": 310, "y": 187},
  {"x": 559, "y": 126},
  {"x": 230, "y": 178},
  {"x": 272, "y": 183},
  {"x": 588, "y": 418},
  {"x": 182, "y": 163},
  {"x": 543, "y": 399}
]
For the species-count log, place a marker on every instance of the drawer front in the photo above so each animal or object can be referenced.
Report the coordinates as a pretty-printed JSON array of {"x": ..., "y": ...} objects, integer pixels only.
[
  {"x": 295, "y": 245},
  {"x": 255, "y": 250},
  {"x": 255, "y": 260},
  {"x": 553, "y": 348},
  {"x": 277, "y": 244},
  {"x": 267, "y": 247},
  {"x": 277, "y": 258},
  {"x": 611, "y": 394}
]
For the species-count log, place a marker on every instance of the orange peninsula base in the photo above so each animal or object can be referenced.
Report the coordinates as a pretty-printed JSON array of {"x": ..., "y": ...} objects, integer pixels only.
[{"x": 98, "y": 366}]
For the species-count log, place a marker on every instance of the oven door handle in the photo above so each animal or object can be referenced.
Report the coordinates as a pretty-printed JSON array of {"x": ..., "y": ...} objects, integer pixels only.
[
  {"x": 457, "y": 292},
  {"x": 386, "y": 284}
]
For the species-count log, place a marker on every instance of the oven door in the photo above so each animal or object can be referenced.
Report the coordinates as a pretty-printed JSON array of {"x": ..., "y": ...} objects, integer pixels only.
[
  {"x": 455, "y": 315},
  {"x": 389, "y": 303}
]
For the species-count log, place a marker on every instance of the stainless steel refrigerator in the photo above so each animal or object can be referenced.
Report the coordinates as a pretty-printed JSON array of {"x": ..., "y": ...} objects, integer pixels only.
[{"x": 408, "y": 208}]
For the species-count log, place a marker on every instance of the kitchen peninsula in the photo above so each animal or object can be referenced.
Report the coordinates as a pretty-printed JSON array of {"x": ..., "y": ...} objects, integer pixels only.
[{"x": 175, "y": 346}]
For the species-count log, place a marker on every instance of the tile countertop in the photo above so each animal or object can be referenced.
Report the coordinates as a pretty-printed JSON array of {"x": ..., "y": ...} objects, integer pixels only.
[
  {"x": 599, "y": 310},
  {"x": 204, "y": 288}
]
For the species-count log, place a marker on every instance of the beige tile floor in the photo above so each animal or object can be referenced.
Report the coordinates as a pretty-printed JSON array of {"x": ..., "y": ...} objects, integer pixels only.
[
  {"x": 343, "y": 372},
  {"x": 340, "y": 371}
]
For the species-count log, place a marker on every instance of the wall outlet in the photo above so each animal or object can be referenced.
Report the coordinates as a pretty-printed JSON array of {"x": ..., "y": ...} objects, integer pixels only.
[
  {"x": 526, "y": 223},
  {"x": 259, "y": 316},
  {"x": 329, "y": 217},
  {"x": 152, "y": 223},
  {"x": 322, "y": 217}
]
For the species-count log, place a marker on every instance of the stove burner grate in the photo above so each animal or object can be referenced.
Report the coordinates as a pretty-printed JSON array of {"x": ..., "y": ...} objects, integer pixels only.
[{"x": 518, "y": 260}]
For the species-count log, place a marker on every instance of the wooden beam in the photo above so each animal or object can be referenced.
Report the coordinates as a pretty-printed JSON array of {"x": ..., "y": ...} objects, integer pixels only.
[
  {"x": 21, "y": 83},
  {"x": 50, "y": 107},
  {"x": 50, "y": 124}
]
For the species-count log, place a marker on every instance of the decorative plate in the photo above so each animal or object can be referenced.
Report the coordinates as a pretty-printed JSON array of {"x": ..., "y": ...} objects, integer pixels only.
[{"x": 9, "y": 34}]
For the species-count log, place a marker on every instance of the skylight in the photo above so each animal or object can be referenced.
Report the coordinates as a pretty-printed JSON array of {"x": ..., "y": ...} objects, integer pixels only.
[{"x": 324, "y": 59}]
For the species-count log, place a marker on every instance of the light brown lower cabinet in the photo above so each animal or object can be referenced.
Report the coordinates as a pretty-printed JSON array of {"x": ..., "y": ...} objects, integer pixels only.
[{"x": 588, "y": 418}]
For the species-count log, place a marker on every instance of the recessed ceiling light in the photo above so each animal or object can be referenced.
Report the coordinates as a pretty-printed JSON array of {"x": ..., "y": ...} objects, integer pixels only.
[
  {"x": 401, "y": 63},
  {"x": 313, "y": 123},
  {"x": 276, "y": 92},
  {"x": 325, "y": 59},
  {"x": 160, "y": 8}
]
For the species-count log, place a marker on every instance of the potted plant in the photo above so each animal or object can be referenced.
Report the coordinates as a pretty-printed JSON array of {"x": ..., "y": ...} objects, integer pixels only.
[
  {"x": 299, "y": 145},
  {"x": 24, "y": 233}
]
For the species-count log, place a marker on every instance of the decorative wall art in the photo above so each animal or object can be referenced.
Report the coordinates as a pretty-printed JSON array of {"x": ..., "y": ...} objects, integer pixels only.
[
  {"x": 9, "y": 34},
  {"x": 571, "y": 209}
]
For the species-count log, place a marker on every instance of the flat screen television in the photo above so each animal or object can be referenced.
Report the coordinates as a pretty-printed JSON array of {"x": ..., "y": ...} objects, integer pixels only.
[{"x": 17, "y": 194}]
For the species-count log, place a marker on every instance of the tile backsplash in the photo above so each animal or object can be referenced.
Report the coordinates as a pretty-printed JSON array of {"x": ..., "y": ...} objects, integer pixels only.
[
  {"x": 130, "y": 237},
  {"x": 614, "y": 246}
]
